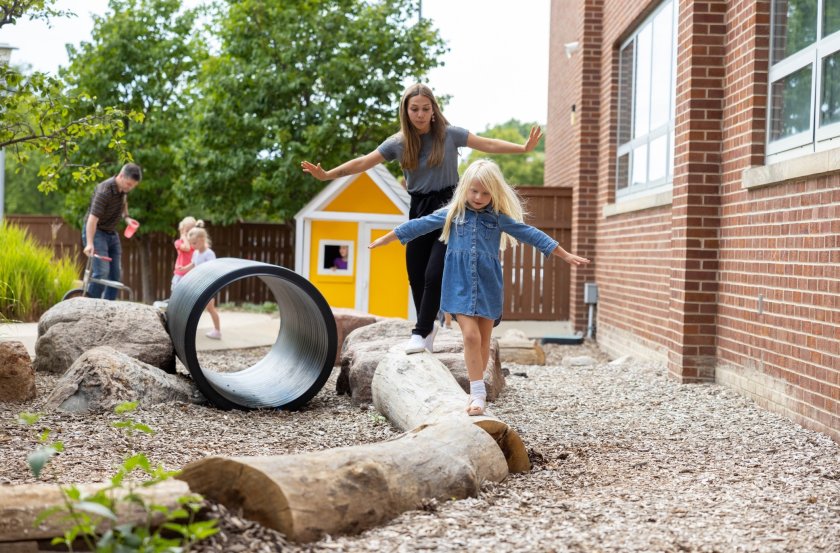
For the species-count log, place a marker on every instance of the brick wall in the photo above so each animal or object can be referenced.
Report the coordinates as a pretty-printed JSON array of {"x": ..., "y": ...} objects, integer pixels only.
[{"x": 682, "y": 280}]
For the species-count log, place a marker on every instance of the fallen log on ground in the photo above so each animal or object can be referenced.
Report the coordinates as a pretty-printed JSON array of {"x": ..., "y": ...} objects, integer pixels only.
[
  {"x": 350, "y": 489},
  {"x": 20, "y": 506},
  {"x": 410, "y": 390}
]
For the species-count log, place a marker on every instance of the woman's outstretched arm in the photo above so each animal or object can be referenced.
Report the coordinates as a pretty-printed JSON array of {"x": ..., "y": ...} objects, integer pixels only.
[
  {"x": 496, "y": 146},
  {"x": 352, "y": 167}
]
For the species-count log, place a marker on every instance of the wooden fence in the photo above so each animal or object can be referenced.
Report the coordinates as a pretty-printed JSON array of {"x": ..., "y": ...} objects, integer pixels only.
[{"x": 535, "y": 288}]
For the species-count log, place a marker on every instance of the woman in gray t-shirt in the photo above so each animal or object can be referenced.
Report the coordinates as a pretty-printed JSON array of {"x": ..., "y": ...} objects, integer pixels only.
[{"x": 427, "y": 149}]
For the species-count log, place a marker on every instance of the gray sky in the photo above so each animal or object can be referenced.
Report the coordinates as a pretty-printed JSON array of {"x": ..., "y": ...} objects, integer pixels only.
[{"x": 496, "y": 69}]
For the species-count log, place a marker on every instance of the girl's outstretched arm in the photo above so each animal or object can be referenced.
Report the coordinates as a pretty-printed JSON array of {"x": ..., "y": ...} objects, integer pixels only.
[
  {"x": 568, "y": 257},
  {"x": 352, "y": 167},
  {"x": 382, "y": 240},
  {"x": 496, "y": 146}
]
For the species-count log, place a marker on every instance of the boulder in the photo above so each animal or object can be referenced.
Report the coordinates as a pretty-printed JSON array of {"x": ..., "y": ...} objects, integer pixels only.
[
  {"x": 365, "y": 347},
  {"x": 516, "y": 347},
  {"x": 103, "y": 377},
  {"x": 17, "y": 377},
  {"x": 346, "y": 321},
  {"x": 71, "y": 327}
]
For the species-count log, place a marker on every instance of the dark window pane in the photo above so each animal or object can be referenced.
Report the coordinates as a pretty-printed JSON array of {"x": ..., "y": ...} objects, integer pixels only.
[
  {"x": 623, "y": 172},
  {"x": 830, "y": 93},
  {"x": 625, "y": 93},
  {"x": 790, "y": 104},
  {"x": 794, "y": 26},
  {"x": 831, "y": 16}
]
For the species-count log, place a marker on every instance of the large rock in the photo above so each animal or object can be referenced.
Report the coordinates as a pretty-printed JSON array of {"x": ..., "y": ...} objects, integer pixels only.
[
  {"x": 17, "y": 377},
  {"x": 72, "y": 327},
  {"x": 103, "y": 377},
  {"x": 516, "y": 347},
  {"x": 346, "y": 321},
  {"x": 365, "y": 347}
]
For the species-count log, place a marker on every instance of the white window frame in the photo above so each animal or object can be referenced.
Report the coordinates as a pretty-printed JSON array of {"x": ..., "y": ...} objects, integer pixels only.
[
  {"x": 667, "y": 129},
  {"x": 322, "y": 247},
  {"x": 816, "y": 138}
]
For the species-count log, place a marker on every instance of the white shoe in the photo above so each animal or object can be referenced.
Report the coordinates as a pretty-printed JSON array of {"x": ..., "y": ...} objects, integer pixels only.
[
  {"x": 214, "y": 334},
  {"x": 416, "y": 344},
  {"x": 430, "y": 339}
]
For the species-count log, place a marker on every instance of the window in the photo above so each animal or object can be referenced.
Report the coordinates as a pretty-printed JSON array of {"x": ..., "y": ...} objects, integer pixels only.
[
  {"x": 646, "y": 88},
  {"x": 335, "y": 257},
  {"x": 804, "y": 93}
]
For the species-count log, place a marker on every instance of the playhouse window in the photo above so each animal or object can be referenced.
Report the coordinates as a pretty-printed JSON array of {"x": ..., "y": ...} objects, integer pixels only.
[
  {"x": 335, "y": 257},
  {"x": 804, "y": 99},
  {"x": 646, "y": 105}
]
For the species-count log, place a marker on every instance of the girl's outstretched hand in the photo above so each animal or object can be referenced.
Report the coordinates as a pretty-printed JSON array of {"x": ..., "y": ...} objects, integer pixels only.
[
  {"x": 533, "y": 138},
  {"x": 382, "y": 240},
  {"x": 314, "y": 170},
  {"x": 568, "y": 257}
]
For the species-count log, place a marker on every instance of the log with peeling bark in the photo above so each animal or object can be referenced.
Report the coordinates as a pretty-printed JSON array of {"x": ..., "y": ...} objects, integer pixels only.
[
  {"x": 20, "y": 506},
  {"x": 410, "y": 390},
  {"x": 349, "y": 489}
]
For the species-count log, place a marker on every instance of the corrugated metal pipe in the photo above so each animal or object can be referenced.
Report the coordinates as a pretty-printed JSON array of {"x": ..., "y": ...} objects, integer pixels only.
[{"x": 298, "y": 364}]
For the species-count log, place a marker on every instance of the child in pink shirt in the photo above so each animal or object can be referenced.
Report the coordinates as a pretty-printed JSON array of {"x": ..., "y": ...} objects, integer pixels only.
[{"x": 183, "y": 247}]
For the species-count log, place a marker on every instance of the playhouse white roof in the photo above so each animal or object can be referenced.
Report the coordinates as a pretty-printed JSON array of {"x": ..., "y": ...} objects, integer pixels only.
[{"x": 378, "y": 174}]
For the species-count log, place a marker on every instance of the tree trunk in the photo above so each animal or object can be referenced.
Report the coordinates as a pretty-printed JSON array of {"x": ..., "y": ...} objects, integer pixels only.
[
  {"x": 347, "y": 490},
  {"x": 410, "y": 390},
  {"x": 21, "y": 505}
]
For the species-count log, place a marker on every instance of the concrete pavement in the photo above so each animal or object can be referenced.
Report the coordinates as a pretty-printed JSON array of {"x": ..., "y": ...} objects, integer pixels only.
[{"x": 247, "y": 330}]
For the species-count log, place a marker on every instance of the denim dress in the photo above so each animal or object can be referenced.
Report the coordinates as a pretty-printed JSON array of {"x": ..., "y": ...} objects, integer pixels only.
[{"x": 472, "y": 272}]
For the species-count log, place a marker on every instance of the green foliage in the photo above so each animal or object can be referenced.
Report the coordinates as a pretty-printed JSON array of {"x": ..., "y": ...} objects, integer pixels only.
[
  {"x": 87, "y": 513},
  {"x": 142, "y": 57},
  {"x": 298, "y": 79},
  {"x": 41, "y": 455},
  {"x": 527, "y": 169},
  {"x": 37, "y": 114},
  {"x": 12, "y": 10},
  {"x": 22, "y": 195},
  {"x": 31, "y": 279}
]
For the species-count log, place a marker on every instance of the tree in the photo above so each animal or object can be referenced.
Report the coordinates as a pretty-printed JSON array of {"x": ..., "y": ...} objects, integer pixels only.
[
  {"x": 37, "y": 113},
  {"x": 143, "y": 57},
  {"x": 22, "y": 196},
  {"x": 298, "y": 79},
  {"x": 526, "y": 170}
]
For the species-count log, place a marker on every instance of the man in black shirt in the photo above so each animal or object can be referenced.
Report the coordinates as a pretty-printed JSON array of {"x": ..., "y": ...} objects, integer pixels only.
[{"x": 108, "y": 205}]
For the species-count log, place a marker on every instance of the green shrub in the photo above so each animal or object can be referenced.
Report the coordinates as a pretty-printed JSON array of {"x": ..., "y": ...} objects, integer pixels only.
[{"x": 31, "y": 279}]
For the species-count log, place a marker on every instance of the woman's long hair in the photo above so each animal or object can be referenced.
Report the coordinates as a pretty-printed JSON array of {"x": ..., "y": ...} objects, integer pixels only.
[
  {"x": 411, "y": 138},
  {"x": 504, "y": 199}
]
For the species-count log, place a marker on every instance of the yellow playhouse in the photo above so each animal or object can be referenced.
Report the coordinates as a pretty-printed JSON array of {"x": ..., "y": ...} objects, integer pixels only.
[{"x": 333, "y": 232}]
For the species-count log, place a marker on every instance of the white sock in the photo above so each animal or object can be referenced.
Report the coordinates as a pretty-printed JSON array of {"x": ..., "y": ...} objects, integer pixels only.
[{"x": 478, "y": 392}]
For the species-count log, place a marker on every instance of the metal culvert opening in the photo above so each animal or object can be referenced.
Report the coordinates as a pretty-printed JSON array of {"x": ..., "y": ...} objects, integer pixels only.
[{"x": 298, "y": 364}]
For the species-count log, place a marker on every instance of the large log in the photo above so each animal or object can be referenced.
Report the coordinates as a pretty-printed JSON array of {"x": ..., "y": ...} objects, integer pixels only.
[
  {"x": 20, "y": 506},
  {"x": 347, "y": 490},
  {"x": 410, "y": 390},
  {"x": 366, "y": 346}
]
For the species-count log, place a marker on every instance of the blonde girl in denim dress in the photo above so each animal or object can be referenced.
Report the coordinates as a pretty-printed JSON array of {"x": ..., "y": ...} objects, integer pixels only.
[{"x": 484, "y": 216}]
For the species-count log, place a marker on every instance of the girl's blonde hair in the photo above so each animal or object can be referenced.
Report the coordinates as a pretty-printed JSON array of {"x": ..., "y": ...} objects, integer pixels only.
[
  {"x": 503, "y": 198},
  {"x": 411, "y": 138},
  {"x": 189, "y": 222},
  {"x": 198, "y": 231}
]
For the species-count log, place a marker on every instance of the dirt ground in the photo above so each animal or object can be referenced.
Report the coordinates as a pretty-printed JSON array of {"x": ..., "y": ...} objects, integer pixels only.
[{"x": 624, "y": 460}]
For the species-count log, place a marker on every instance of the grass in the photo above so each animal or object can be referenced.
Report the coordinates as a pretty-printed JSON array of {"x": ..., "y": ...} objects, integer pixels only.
[{"x": 31, "y": 279}]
